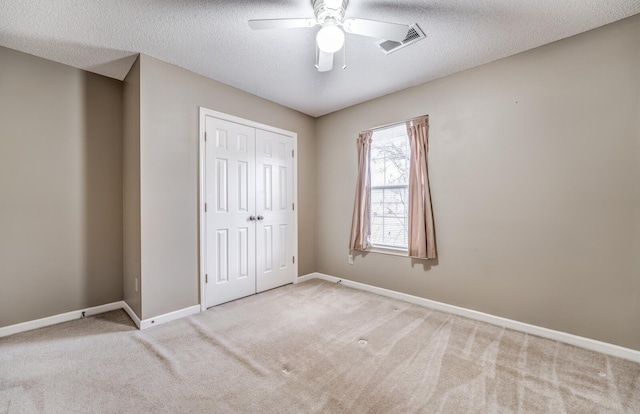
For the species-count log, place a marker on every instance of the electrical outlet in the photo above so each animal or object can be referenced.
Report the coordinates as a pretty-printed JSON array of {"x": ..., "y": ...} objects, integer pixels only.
[
  {"x": 135, "y": 280},
  {"x": 350, "y": 259}
]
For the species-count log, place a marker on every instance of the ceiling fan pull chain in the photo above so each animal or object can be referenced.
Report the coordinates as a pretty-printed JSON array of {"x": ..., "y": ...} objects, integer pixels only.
[{"x": 344, "y": 54}]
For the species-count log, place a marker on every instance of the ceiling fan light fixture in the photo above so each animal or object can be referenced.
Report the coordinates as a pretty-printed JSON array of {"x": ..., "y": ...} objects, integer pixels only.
[{"x": 330, "y": 39}]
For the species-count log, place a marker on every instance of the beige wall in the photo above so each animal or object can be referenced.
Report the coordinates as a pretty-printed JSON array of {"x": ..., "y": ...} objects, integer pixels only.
[
  {"x": 131, "y": 183},
  {"x": 635, "y": 276},
  {"x": 170, "y": 101},
  {"x": 60, "y": 188},
  {"x": 535, "y": 165}
]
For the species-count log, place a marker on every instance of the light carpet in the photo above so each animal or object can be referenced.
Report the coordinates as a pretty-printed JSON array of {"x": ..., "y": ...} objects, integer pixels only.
[{"x": 315, "y": 347}]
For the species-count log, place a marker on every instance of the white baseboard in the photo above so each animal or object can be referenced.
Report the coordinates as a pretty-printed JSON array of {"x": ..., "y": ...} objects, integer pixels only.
[
  {"x": 56, "y": 319},
  {"x": 582, "y": 342},
  {"x": 131, "y": 313},
  {"x": 69, "y": 316},
  {"x": 167, "y": 317},
  {"x": 587, "y": 343}
]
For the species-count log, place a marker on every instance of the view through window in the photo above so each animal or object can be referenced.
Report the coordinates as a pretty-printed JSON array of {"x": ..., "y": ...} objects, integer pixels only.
[{"x": 390, "y": 154}]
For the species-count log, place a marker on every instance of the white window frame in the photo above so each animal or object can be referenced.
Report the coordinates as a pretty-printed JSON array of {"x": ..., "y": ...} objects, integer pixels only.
[{"x": 380, "y": 248}]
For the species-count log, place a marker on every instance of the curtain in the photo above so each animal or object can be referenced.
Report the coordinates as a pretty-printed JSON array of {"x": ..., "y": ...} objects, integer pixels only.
[
  {"x": 361, "y": 222},
  {"x": 422, "y": 241}
]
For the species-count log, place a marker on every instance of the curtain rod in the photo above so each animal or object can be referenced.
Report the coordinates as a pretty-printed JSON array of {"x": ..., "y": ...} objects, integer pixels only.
[{"x": 394, "y": 123}]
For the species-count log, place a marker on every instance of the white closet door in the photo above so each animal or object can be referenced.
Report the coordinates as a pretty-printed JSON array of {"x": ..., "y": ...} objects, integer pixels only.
[
  {"x": 230, "y": 199},
  {"x": 274, "y": 209}
]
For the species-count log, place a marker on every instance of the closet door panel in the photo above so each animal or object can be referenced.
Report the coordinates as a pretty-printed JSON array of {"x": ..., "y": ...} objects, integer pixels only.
[
  {"x": 274, "y": 195},
  {"x": 230, "y": 199}
]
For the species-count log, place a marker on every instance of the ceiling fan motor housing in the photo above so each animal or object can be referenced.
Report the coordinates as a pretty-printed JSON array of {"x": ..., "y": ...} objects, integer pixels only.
[{"x": 329, "y": 10}]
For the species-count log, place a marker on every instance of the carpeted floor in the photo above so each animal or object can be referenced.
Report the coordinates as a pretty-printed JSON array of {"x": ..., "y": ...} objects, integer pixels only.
[{"x": 315, "y": 347}]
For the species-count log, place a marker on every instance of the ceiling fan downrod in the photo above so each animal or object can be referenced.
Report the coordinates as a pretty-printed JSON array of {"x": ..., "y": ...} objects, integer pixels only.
[{"x": 329, "y": 10}]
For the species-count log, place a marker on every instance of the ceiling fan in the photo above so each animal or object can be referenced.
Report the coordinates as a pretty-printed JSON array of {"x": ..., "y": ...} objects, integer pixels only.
[{"x": 330, "y": 38}]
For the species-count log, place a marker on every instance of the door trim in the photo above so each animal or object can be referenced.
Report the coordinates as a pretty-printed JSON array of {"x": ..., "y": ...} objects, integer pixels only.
[{"x": 203, "y": 114}]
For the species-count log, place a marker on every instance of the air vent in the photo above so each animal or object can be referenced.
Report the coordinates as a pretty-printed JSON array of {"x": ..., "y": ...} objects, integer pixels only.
[{"x": 415, "y": 34}]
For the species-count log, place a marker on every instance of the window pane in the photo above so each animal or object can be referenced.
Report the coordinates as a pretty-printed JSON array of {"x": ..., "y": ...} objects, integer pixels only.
[
  {"x": 396, "y": 202},
  {"x": 395, "y": 232},
  {"x": 389, "y": 217},
  {"x": 396, "y": 156},
  {"x": 389, "y": 156},
  {"x": 395, "y": 168},
  {"x": 377, "y": 230},
  {"x": 377, "y": 171},
  {"x": 377, "y": 202}
]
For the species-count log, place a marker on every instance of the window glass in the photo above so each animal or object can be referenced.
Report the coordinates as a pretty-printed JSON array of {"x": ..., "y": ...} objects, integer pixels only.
[{"x": 389, "y": 181}]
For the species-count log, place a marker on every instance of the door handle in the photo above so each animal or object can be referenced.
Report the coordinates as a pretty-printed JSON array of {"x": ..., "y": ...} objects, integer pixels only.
[
  {"x": 252, "y": 218},
  {"x": 260, "y": 218}
]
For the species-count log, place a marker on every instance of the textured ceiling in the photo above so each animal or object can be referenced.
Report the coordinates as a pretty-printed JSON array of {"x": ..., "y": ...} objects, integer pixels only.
[{"x": 212, "y": 38}]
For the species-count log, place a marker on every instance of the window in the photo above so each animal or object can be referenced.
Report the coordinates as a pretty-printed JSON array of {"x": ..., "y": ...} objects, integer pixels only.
[
  {"x": 392, "y": 207},
  {"x": 390, "y": 155}
]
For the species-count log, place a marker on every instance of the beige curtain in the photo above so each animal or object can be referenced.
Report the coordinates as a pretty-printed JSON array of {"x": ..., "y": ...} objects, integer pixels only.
[
  {"x": 422, "y": 241},
  {"x": 361, "y": 222}
]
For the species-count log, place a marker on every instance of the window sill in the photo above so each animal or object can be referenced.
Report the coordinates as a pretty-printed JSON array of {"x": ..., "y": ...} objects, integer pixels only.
[{"x": 386, "y": 250}]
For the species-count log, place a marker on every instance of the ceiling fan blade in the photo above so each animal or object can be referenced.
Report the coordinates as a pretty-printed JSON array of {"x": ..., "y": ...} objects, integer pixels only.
[
  {"x": 325, "y": 61},
  {"x": 262, "y": 24},
  {"x": 379, "y": 30}
]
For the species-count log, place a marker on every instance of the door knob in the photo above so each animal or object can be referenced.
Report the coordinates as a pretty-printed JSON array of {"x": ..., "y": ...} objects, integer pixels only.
[
  {"x": 260, "y": 217},
  {"x": 252, "y": 218}
]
